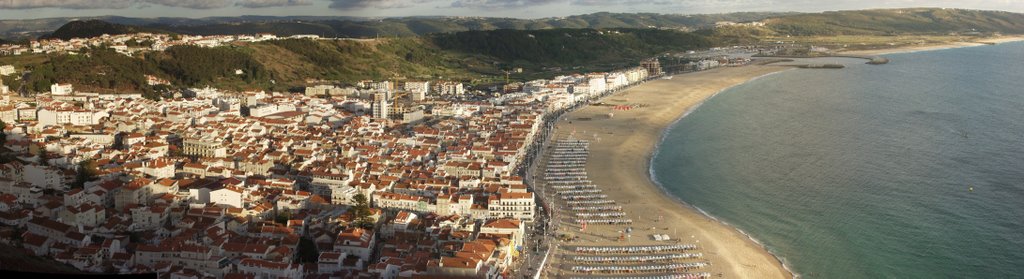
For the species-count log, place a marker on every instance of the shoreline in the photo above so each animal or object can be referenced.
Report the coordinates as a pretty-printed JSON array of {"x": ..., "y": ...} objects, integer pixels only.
[
  {"x": 930, "y": 47},
  {"x": 745, "y": 256},
  {"x": 665, "y": 191},
  {"x": 621, "y": 165}
]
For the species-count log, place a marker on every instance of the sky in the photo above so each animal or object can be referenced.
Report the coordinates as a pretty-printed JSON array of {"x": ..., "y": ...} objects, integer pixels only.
[{"x": 27, "y": 9}]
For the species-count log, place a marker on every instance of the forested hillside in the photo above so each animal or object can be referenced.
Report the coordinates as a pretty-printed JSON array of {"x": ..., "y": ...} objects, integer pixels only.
[
  {"x": 547, "y": 46},
  {"x": 95, "y": 28},
  {"x": 569, "y": 47},
  {"x": 898, "y": 21}
]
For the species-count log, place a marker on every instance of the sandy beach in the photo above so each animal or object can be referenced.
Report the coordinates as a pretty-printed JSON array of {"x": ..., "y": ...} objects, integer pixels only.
[
  {"x": 620, "y": 151},
  {"x": 980, "y": 42}
]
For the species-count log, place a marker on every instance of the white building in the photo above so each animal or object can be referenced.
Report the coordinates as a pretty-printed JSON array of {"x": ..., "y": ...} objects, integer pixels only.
[
  {"x": 418, "y": 90},
  {"x": 6, "y": 70},
  {"x": 320, "y": 90},
  {"x": 706, "y": 65},
  {"x": 78, "y": 117},
  {"x": 61, "y": 89},
  {"x": 511, "y": 205},
  {"x": 204, "y": 148},
  {"x": 412, "y": 116},
  {"x": 228, "y": 195},
  {"x": 269, "y": 269},
  {"x": 381, "y": 108},
  {"x": 148, "y": 218},
  {"x": 205, "y": 93},
  {"x": 449, "y": 88},
  {"x": 382, "y": 86},
  {"x": 512, "y": 227},
  {"x": 356, "y": 242},
  {"x": 264, "y": 110},
  {"x": 200, "y": 258},
  {"x": 46, "y": 177},
  {"x": 597, "y": 84}
]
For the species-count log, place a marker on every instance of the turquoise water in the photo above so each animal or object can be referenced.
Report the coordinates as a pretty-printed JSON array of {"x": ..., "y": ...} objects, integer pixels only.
[{"x": 865, "y": 172}]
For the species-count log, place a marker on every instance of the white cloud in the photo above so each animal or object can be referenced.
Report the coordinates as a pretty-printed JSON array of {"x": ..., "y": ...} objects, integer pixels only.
[
  {"x": 192, "y": 4},
  {"x": 66, "y": 4},
  {"x": 272, "y": 3},
  {"x": 379, "y": 4},
  {"x": 501, "y": 3},
  {"x": 121, "y": 4}
]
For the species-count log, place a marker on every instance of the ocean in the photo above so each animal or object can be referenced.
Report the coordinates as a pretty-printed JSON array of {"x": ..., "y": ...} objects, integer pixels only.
[{"x": 867, "y": 171}]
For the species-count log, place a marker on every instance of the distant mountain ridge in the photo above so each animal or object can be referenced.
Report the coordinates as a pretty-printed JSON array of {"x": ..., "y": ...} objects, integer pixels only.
[
  {"x": 898, "y": 21},
  {"x": 860, "y": 22},
  {"x": 95, "y": 28},
  {"x": 329, "y": 26},
  {"x": 479, "y": 55}
]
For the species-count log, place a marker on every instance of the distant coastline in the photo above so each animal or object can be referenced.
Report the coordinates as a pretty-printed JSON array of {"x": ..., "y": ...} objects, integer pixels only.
[
  {"x": 875, "y": 56},
  {"x": 927, "y": 47}
]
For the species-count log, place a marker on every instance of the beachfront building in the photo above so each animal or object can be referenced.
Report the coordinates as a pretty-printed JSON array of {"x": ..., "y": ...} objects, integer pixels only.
[
  {"x": 518, "y": 206},
  {"x": 653, "y": 66},
  {"x": 512, "y": 229}
]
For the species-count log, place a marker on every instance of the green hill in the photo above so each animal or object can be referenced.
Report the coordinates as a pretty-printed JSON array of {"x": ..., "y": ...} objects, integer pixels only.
[
  {"x": 350, "y": 27},
  {"x": 287, "y": 63},
  {"x": 918, "y": 21},
  {"x": 292, "y": 61},
  {"x": 283, "y": 64},
  {"x": 864, "y": 22},
  {"x": 414, "y": 26},
  {"x": 95, "y": 28},
  {"x": 571, "y": 47},
  {"x": 542, "y": 47}
]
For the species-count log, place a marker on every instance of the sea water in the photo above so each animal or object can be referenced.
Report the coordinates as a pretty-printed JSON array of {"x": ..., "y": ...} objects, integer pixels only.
[{"x": 867, "y": 171}]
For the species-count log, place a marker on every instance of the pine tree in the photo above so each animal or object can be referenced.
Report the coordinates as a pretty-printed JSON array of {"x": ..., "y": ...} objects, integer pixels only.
[{"x": 361, "y": 212}]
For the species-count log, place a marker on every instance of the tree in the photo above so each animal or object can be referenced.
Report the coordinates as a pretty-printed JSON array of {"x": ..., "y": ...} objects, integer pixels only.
[
  {"x": 283, "y": 217},
  {"x": 3, "y": 133},
  {"x": 307, "y": 251},
  {"x": 43, "y": 156},
  {"x": 361, "y": 211},
  {"x": 87, "y": 171},
  {"x": 175, "y": 151},
  {"x": 118, "y": 141}
]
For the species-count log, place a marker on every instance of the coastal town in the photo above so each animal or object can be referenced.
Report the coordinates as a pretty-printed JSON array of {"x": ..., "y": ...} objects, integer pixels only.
[
  {"x": 131, "y": 44},
  {"x": 500, "y": 139},
  {"x": 381, "y": 179}
]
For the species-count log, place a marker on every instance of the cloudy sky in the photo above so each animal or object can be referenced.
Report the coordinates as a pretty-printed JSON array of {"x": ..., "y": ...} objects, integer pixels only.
[{"x": 21, "y": 9}]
